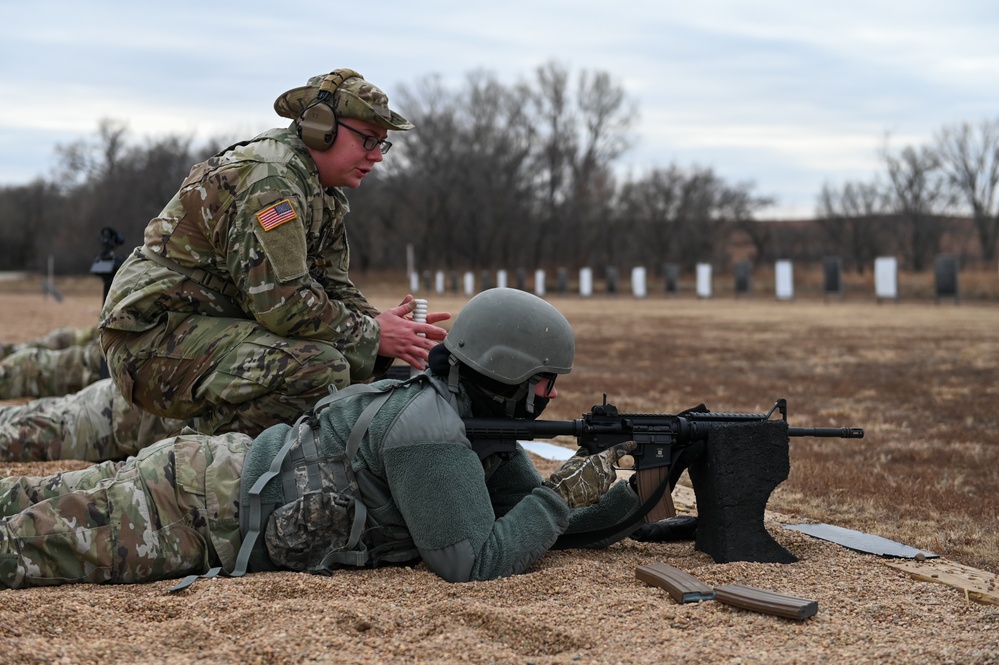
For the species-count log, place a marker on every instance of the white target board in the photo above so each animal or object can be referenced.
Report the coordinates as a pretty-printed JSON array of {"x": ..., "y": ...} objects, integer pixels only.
[
  {"x": 703, "y": 280},
  {"x": 639, "y": 288},
  {"x": 784, "y": 280},
  {"x": 585, "y": 282},
  {"x": 539, "y": 283},
  {"x": 886, "y": 278}
]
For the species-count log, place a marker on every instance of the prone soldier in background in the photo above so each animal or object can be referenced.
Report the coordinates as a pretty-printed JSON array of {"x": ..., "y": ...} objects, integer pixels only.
[
  {"x": 66, "y": 359},
  {"x": 62, "y": 362},
  {"x": 58, "y": 339},
  {"x": 75, "y": 414},
  {"x": 94, "y": 424}
]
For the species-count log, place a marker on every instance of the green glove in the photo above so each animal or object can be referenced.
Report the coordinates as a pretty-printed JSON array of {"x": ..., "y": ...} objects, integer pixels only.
[{"x": 583, "y": 479}]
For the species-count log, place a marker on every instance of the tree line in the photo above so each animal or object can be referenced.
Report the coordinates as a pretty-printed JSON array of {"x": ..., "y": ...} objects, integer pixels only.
[
  {"x": 526, "y": 175},
  {"x": 906, "y": 209}
]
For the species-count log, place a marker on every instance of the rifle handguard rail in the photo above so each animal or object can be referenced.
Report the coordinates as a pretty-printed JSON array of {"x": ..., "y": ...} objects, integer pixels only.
[{"x": 666, "y": 444}]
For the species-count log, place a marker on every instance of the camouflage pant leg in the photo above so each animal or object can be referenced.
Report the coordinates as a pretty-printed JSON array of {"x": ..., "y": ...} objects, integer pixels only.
[
  {"x": 29, "y": 432},
  {"x": 20, "y": 492},
  {"x": 229, "y": 374},
  {"x": 148, "y": 522},
  {"x": 63, "y": 338},
  {"x": 41, "y": 372},
  {"x": 132, "y": 429},
  {"x": 60, "y": 338},
  {"x": 93, "y": 425}
]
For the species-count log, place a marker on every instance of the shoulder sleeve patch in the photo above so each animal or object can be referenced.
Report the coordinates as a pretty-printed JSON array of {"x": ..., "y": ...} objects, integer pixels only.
[{"x": 276, "y": 214}]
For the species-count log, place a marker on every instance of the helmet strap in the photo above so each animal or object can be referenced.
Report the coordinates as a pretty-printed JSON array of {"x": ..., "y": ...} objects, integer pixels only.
[
  {"x": 510, "y": 403},
  {"x": 524, "y": 392},
  {"x": 452, "y": 375},
  {"x": 531, "y": 385}
]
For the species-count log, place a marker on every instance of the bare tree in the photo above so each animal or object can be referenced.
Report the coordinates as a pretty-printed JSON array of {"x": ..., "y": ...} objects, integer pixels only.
[
  {"x": 578, "y": 138},
  {"x": 463, "y": 174},
  {"x": 29, "y": 215},
  {"x": 498, "y": 175},
  {"x": 918, "y": 195},
  {"x": 682, "y": 216},
  {"x": 850, "y": 220},
  {"x": 90, "y": 160},
  {"x": 970, "y": 156},
  {"x": 647, "y": 210},
  {"x": 110, "y": 182},
  {"x": 423, "y": 171}
]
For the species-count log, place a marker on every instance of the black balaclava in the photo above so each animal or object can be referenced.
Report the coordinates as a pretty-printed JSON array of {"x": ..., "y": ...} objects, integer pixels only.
[{"x": 489, "y": 397}]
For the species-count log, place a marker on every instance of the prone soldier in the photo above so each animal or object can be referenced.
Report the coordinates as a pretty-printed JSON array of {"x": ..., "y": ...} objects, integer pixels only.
[{"x": 375, "y": 474}]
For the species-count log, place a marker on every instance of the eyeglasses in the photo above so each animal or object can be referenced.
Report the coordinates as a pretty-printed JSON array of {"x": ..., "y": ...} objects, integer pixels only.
[
  {"x": 550, "y": 379},
  {"x": 370, "y": 142}
]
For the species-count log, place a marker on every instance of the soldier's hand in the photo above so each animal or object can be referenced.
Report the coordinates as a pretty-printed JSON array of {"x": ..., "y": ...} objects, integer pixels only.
[
  {"x": 582, "y": 480},
  {"x": 408, "y": 340}
]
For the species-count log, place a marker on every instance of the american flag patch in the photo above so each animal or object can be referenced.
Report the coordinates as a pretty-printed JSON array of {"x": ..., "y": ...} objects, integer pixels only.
[{"x": 276, "y": 215}]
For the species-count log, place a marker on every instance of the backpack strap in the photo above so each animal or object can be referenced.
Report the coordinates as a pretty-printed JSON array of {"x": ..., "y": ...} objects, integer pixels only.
[
  {"x": 256, "y": 513},
  {"x": 301, "y": 443}
]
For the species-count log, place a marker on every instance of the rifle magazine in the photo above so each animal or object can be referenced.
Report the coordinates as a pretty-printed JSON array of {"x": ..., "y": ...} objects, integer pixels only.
[
  {"x": 683, "y": 587},
  {"x": 768, "y": 602}
]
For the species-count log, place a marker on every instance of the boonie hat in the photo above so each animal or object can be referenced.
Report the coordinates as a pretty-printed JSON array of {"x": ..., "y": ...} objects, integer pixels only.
[{"x": 354, "y": 98}]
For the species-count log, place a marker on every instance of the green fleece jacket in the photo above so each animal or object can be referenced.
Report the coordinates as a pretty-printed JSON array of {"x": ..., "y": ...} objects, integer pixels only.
[{"x": 416, "y": 471}]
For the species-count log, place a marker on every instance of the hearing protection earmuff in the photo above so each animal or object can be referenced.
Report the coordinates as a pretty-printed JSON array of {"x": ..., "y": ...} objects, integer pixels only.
[{"x": 317, "y": 125}]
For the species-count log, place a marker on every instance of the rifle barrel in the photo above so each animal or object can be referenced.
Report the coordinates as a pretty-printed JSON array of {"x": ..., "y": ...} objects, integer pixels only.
[
  {"x": 509, "y": 428},
  {"x": 836, "y": 432}
]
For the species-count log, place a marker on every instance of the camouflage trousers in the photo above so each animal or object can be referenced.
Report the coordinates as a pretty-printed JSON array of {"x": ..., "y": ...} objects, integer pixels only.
[
  {"x": 42, "y": 372},
  {"x": 94, "y": 425},
  {"x": 226, "y": 375},
  {"x": 60, "y": 338},
  {"x": 169, "y": 512}
]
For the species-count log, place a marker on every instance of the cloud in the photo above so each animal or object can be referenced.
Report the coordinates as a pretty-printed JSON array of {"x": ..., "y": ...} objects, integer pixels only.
[{"x": 786, "y": 94}]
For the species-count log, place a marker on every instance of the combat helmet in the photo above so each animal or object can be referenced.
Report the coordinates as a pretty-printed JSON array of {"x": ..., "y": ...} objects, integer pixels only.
[{"x": 513, "y": 338}]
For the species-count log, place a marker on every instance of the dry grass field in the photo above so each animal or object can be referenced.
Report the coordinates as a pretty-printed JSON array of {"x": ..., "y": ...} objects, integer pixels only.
[{"x": 921, "y": 378}]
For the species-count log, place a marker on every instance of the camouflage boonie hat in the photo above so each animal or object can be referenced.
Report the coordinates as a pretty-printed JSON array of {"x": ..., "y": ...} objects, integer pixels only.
[{"x": 354, "y": 98}]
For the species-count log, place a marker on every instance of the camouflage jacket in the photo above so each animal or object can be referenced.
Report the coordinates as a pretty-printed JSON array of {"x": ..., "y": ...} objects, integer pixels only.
[{"x": 253, "y": 223}]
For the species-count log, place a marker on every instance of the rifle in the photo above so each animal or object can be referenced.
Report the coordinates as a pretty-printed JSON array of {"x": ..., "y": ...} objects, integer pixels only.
[
  {"x": 105, "y": 266},
  {"x": 666, "y": 443}
]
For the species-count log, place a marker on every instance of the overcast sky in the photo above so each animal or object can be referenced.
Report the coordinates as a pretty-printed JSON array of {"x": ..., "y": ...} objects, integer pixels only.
[{"x": 788, "y": 95}]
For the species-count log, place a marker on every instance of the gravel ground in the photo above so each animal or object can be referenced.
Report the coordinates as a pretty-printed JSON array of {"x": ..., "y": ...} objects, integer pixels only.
[
  {"x": 573, "y": 606},
  {"x": 577, "y": 606}
]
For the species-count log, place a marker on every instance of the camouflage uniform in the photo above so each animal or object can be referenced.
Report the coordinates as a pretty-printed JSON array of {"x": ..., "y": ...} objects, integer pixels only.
[
  {"x": 175, "y": 509},
  {"x": 60, "y": 338},
  {"x": 168, "y": 512},
  {"x": 238, "y": 310},
  {"x": 94, "y": 424},
  {"x": 44, "y": 372}
]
